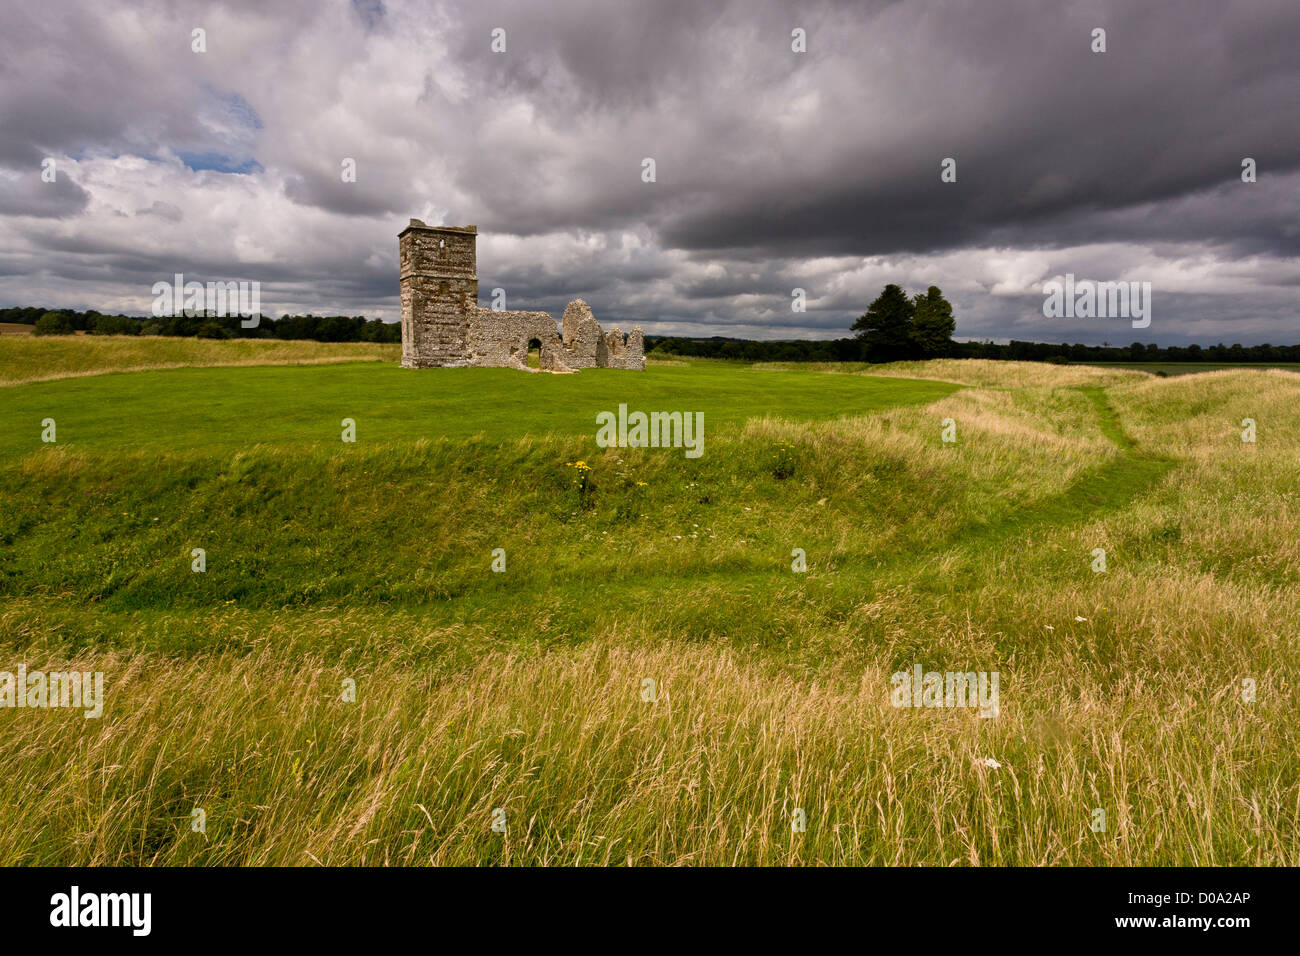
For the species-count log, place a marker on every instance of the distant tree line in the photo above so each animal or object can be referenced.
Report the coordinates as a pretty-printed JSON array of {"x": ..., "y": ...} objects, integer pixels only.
[
  {"x": 853, "y": 350},
  {"x": 878, "y": 340},
  {"x": 751, "y": 350},
  {"x": 896, "y": 327},
  {"x": 1137, "y": 352},
  {"x": 320, "y": 328}
]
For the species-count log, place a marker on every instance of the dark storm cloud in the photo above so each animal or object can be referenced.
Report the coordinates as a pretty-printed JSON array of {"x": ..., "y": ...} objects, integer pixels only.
[
  {"x": 774, "y": 169},
  {"x": 25, "y": 194},
  {"x": 1042, "y": 130},
  {"x": 114, "y": 78},
  {"x": 326, "y": 190}
]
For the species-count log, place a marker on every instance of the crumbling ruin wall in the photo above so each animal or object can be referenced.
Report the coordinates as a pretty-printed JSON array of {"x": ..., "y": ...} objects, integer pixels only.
[
  {"x": 629, "y": 353},
  {"x": 584, "y": 344},
  {"x": 443, "y": 324},
  {"x": 501, "y": 338}
]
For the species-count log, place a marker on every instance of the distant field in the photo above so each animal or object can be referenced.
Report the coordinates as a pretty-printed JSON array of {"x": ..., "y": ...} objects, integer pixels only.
[
  {"x": 525, "y": 690},
  {"x": 32, "y": 359},
  {"x": 1190, "y": 368}
]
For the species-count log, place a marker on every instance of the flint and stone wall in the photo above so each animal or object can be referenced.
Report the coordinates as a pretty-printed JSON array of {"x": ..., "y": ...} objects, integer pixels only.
[{"x": 443, "y": 325}]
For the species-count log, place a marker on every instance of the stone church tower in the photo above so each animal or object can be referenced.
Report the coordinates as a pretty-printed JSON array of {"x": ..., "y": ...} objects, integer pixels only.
[{"x": 439, "y": 288}]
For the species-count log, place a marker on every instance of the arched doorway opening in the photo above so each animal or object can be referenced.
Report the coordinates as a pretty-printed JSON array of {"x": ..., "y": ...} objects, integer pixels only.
[{"x": 534, "y": 359}]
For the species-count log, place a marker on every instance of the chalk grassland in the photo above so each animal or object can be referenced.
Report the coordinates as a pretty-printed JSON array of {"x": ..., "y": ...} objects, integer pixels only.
[
  {"x": 1120, "y": 691},
  {"x": 30, "y": 359}
]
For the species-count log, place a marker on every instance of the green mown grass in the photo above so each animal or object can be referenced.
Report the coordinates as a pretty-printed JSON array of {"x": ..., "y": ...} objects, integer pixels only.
[
  {"x": 522, "y": 690},
  {"x": 230, "y": 409}
]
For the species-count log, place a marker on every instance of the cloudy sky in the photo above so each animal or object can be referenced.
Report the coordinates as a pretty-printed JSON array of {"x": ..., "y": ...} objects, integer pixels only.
[{"x": 774, "y": 169}]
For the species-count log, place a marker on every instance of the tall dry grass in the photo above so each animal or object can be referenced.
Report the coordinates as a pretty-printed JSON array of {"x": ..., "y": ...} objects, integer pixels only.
[{"x": 589, "y": 772}]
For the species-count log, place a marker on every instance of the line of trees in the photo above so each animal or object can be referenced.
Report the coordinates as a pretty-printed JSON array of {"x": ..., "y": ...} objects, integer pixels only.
[
  {"x": 320, "y": 328},
  {"x": 751, "y": 350},
  {"x": 852, "y": 350},
  {"x": 896, "y": 327},
  {"x": 892, "y": 327}
]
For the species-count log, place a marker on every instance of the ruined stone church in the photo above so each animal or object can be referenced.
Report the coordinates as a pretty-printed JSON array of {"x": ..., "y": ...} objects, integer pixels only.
[{"x": 443, "y": 324}]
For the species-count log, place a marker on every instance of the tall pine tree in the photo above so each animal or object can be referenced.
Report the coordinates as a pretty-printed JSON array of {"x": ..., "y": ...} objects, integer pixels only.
[
  {"x": 885, "y": 328},
  {"x": 932, "y": 324}
]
